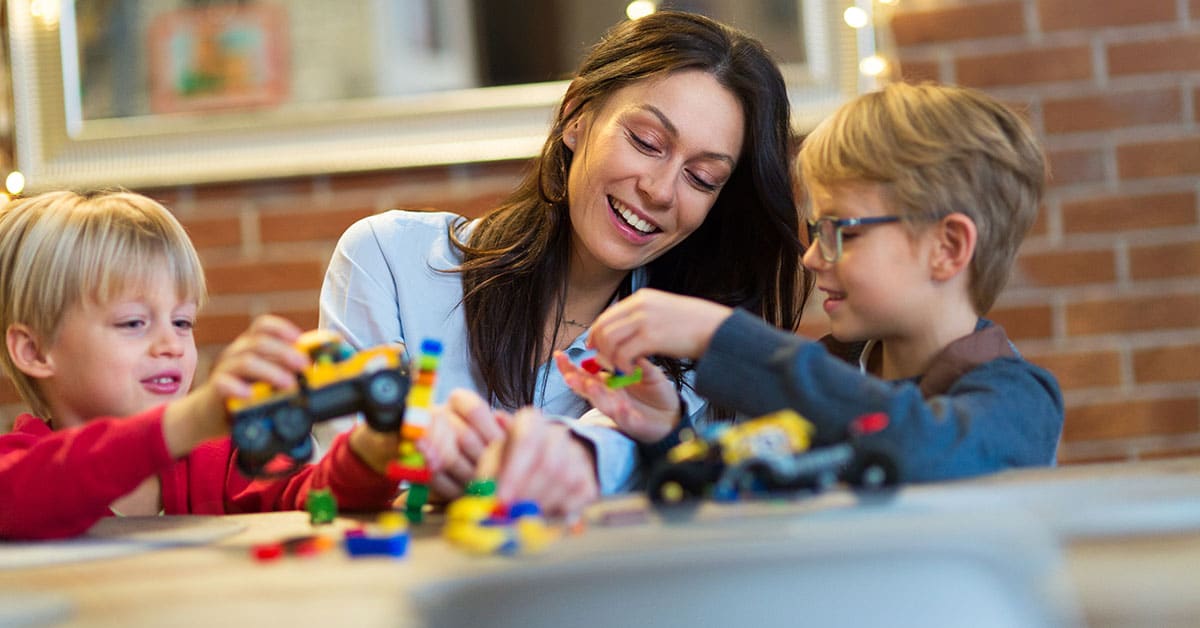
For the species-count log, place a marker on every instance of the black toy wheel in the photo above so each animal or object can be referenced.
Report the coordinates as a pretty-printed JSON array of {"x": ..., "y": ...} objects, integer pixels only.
[
  {"x": 292, "y": 424},
  {"x": 679, "y": 483},
  {"x": 302, "y": 451},
  {"x": 386, "y": 389},
  {"x": 252, "y": 436},
  {"x": 874, "y": 471},
  {"x": 385, "y": 392}
]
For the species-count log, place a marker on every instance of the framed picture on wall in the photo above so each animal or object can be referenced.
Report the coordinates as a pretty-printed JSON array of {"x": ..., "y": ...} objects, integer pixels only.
[{"x": 218, "y": 57}]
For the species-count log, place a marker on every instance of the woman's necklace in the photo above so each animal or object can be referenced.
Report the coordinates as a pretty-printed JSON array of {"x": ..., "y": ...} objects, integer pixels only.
[{"x": 570, "y": 322}]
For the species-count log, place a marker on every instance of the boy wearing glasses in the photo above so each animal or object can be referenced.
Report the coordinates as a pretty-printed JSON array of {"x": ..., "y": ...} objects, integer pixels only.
[{"x": 920, "y": 196}]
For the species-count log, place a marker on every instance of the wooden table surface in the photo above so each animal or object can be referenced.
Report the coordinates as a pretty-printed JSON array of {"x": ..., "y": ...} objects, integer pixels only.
[{"x": 1125, "y": 539}]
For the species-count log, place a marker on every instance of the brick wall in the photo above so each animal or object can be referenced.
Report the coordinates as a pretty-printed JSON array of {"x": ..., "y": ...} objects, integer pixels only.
[{"x": 1107, "y": 293}]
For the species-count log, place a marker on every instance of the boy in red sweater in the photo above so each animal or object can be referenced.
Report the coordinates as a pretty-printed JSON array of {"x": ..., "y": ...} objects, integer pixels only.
[{"x": 98, "y": 297}]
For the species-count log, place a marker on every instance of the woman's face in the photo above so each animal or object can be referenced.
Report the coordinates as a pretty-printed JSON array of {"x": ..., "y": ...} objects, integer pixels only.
[{"x": 649, "y": 162}]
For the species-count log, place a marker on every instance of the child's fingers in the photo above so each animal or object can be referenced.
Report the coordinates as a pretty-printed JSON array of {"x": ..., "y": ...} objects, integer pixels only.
[
  {"x": 229, "y": 387},
  {"x": 612, "y": 341},
  {"x": 252, "y": 367},
  {"x": 276, "y": 326}
]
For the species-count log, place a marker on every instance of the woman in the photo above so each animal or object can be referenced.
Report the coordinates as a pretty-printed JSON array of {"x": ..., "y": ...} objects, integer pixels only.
[{"x": 666, "y": 167}]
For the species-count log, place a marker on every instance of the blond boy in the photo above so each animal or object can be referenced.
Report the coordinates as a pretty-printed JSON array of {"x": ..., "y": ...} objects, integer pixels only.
[{"x": 98, "y": 299}]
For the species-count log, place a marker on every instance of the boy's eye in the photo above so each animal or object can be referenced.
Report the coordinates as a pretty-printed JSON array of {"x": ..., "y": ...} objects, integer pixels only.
[
  {"x": 135, "y": 323},
  {"x": 184, "y": 323}
]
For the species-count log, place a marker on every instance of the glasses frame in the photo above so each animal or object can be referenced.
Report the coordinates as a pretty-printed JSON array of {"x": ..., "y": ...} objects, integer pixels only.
[{"x": 815, "y": 226}]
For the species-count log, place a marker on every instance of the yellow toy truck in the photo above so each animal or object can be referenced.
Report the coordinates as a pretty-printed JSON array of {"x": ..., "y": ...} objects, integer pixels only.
[
  {"x": 340, "y": 381},
  {"x": 767, "y": 455}
]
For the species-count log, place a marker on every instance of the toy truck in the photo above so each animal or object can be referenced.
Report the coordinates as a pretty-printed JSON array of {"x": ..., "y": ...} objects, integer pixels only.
[
  {"x": 340, "y": 381},
  {"x": 766, "y": 455}
]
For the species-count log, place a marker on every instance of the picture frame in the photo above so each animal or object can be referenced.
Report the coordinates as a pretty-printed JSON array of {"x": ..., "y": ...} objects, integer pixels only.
[{"x": 54, "y": 147}]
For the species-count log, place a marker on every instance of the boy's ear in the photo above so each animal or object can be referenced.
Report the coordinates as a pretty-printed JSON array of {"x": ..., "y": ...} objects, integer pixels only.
[
  {"x": 956, "y": 238},
  {"x": 26, "y": 351}
]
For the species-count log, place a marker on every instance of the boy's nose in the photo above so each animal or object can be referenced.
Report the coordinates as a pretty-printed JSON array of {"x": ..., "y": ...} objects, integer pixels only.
[
  {"x": 167, "y": 342},
  {"x": 812, "y": 258}
]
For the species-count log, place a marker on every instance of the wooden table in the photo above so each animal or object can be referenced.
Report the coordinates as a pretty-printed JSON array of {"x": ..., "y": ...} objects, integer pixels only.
[{"x": 1129, "y": 537}]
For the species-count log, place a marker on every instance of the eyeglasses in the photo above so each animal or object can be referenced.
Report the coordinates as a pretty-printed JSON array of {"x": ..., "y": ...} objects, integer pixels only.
[{"x": 827, "y": 232}]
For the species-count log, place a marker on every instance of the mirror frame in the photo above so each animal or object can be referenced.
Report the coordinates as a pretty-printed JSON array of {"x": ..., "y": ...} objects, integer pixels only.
[{"x": 463, "y": 126}]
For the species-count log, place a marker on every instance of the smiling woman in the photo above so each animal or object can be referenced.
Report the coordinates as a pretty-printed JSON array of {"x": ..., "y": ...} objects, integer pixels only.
[
  {"x": 164, "y": 92},
  {"x": 666, "y": 166}
]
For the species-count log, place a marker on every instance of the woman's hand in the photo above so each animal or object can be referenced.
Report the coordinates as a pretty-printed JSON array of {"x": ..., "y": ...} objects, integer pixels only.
[
  {"x": 542, "y": 461},
  {"x": 652, "y": 322},
  {"x": 646, "y": 411},
  {"x": 458, "y": 435}
]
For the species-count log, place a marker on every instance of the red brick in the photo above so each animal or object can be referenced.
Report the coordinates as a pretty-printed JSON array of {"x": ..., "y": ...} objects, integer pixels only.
[
  {"x": 260, "y": 277},
  {"x": 1068, "y": 457},
  {"x": 304, "y": 319},
  {"x": 958, "y": 23},
  {"x": 214, "y": 232},
  {"x": 514, "y": 168},
  {"x": 1165, "y": 260},
  {"x": 1093, "y": 369},
  {"x": 388, "y": 179},
  {"x": 1132, "y": 418},
  {"x": 475, "y": 206},
  {"x": 1067, "y": 268},
  {"x": 167, "y": 197},
  {"x": 1167, "y": 364},
  {"x": 1128, "y": 213},
  {"x": 1133, "y": 314},
  {"x": 1073, "y": 63},
  {"x": 314, "y": 225},
  {"x": 1172, "y": 54},
  {"x": 1159, "y": 159},
  {"x": 1041, "y": 225},
  {"x": 1054, "y": 15},
  {"x": 1169, "y": 451},
  {"x": 1068, "y": 167},
  {"x": 223, "y": 193},
  {"x": 1196, "y": 98},
  {"x": 1112, "y": 111},
  {"x": 918, "y": 71},
  {"x": 1024, "y": 322},
  {"x": 8, "y": 392},
  {"x": 220, "y": 329}
]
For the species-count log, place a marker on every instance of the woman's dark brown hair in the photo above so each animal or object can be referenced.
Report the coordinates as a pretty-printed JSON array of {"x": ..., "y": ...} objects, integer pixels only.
[{"x": 746, "y": 253}]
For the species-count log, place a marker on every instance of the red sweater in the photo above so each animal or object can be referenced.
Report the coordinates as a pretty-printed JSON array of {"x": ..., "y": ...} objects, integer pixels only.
[{"x": 56, "y": 484}]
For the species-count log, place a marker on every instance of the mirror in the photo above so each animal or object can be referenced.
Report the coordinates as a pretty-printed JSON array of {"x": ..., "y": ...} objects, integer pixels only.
[{"x": 167, "y": 92}]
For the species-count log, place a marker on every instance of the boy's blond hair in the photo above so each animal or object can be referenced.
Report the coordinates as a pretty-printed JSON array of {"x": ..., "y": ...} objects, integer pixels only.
[
  {"x": 938, "y": 150},
  {"x": 59, "y": 248}
]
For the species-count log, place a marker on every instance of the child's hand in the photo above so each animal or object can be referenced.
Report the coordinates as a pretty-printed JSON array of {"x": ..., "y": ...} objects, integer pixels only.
[
  {"x": 543, "y": 461},
  {"x": 264, "y": 352},
  {"x": 459, "y": 433},
  {"x": 646, "y": 411},
  {"x": 653, "y": 322}
]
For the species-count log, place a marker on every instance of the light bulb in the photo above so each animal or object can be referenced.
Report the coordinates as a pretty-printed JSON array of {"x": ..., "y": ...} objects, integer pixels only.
[
  {"x": 856, "y": 17},
  {"x": 639, "y": 8}
]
